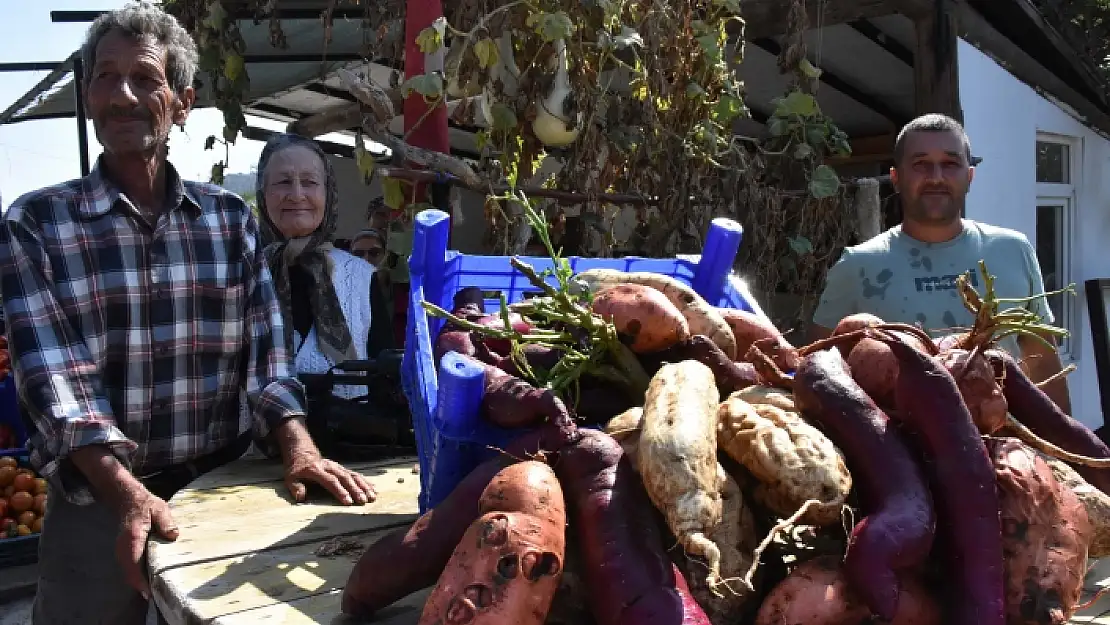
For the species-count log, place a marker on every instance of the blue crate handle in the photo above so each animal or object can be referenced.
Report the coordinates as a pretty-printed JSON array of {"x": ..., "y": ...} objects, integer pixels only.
[{"x": 444, "y": 400}]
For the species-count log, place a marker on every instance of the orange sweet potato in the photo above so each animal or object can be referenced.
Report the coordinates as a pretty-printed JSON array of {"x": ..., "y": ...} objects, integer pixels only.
[
  {"x": 643, "y": 314},
  {"x": 817, "y": 593},
  {"x": 1045, "y": 534},
  {"x": 508, "y": 565}
]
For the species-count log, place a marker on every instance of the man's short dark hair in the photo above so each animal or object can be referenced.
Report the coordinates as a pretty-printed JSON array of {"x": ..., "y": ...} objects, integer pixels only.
[{"x": 931, "y": 122}]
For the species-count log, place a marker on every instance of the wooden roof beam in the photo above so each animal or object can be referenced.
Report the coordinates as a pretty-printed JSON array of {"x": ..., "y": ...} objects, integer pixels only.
[
  {"x": 836, "y": 83},
  {"x": 767, "y": 18}
]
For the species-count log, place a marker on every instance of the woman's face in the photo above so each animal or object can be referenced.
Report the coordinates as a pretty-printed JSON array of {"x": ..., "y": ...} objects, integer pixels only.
[{"x": 296, "y": 191}]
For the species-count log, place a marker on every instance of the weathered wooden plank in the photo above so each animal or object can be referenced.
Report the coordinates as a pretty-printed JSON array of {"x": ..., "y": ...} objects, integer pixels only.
[
  {"x": 324, "y": 609},
  {"x": 207, "y": 590},
  {"x": 219, "y": 523},
  {"x": 253, "y": 469}
]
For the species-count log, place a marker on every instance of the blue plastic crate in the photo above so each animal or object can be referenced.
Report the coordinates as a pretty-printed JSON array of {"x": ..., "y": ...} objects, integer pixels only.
[
  {"x": 9, "y": 416},
  {"x": 451, "y": 439}
]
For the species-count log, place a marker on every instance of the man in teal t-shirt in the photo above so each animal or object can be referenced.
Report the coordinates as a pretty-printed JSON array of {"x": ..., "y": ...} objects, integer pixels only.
[{"x": 908, "y": 273}]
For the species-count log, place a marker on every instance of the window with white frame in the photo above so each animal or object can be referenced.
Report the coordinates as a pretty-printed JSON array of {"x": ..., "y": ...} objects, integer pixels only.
[{"x": 1056, "y": 199}]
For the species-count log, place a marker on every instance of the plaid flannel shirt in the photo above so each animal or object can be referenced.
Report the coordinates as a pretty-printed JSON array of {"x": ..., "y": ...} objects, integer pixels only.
[{"x": 137, "y": 338}]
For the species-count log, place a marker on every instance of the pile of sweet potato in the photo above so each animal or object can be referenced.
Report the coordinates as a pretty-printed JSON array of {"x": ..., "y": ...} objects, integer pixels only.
[{"x": 722, "y": 475}]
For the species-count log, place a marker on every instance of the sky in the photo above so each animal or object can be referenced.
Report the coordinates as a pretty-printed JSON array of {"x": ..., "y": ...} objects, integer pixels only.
[{"x": 40, "y": 153}]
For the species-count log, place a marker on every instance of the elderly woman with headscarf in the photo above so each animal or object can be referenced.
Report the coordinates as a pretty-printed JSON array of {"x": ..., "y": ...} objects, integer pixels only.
[{"x": 325, "y": 293}]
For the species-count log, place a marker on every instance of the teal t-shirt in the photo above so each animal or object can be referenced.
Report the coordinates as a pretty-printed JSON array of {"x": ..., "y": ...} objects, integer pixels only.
[{"x": 901, "y": 279}]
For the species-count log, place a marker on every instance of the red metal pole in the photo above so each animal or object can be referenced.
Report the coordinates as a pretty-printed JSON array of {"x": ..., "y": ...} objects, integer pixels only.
[{"x": 431, "y": 133}]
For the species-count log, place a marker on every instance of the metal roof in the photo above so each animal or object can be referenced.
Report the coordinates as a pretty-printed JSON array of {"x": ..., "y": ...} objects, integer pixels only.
[{"x": 270, "y": 70}]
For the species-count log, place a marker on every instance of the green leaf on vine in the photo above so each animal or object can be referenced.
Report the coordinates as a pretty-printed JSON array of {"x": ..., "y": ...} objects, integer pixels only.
[
  {"x": 796, "y": 103},
  {"x": 216, "y": 15},
  {"x": 486, "y": 51},
  {"x": 210, "y": 59},
  {"x": 217, "y": 176},
  {"x": 809, "y": 70},
  {"x": 711, "y": 44},
  {"x": 364, "y": 160},
  {"x": 393, "y": 193},
  {"x": 777, "y": 126},
  {"x": 233, "y": 67},
  {"x": 803, "y": 151},
  {"x": 732, "y": 6},
  {"x": 230, "y": 132},
  {"x": 551, "y": 26},
  {"x": 210, "y": 142},
  {"x": 727, "y": 109},
  {"x": 694, "y": 91},
  {"x": 430, "y": 39},
  {"x": 816, "y": 135},
  {"x": 824, "y": 182},
  {"x": 800, "y": 245},
  {"x": 481, "y": 139},
  {"x": 504, "y": 119},
  {"x": 428, "y": 85}
]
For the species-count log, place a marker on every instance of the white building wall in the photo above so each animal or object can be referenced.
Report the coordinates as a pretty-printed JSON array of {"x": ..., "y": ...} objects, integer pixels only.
[{"x": 1004, "y": 117}]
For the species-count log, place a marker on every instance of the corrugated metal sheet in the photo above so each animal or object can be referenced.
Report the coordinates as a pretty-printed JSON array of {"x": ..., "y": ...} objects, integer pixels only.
[{"x": 305, "y": 39}]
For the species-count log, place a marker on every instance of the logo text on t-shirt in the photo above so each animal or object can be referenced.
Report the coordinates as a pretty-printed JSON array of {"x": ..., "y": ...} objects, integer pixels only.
[{"x": 943, "y": 283}]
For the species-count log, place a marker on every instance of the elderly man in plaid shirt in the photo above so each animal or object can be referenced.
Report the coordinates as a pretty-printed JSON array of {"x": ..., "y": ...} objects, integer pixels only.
[{"x": 139, "y": 312}]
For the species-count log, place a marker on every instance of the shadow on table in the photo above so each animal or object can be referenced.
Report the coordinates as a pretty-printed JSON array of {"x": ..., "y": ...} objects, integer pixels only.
[{"x": 316, "y": 560}]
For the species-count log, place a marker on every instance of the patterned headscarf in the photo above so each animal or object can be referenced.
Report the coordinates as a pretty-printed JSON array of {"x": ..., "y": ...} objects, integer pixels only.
[{"x": 309, "y": 252}]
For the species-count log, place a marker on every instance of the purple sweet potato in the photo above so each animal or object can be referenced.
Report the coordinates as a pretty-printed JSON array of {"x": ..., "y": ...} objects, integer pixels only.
[
  {"x": 510, "y": 402},
  {"x": 730, "y": 376},
  {"x": 897, "y": 532},
  {"x": 628, "y": 576},
  {"x": 411, "y": 558},
  {"x": 963, "y": 482}
]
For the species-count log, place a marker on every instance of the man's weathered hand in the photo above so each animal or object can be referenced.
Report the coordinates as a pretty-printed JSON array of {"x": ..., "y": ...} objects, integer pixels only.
[
  {"x": 141, "y": 512},
  {"x": 309, "y": 466}
]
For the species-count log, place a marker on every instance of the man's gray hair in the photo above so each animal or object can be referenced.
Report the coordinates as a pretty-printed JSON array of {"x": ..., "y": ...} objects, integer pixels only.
[{"x": 143, "y": 20}]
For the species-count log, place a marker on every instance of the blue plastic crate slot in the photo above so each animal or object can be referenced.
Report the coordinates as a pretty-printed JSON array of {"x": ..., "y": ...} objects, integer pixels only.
[{"x": 451, "y": 439}]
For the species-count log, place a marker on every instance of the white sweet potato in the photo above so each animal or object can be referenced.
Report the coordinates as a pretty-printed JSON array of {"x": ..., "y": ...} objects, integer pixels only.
[
  {"x": 1096, "y": 502},
  {"x": 625, "y": 429},
  {"x": 756, "y": 395},
  {"x": 736, "y": 536},
  {"x": 678, "y": 456},
  {"x": 793, "y": 461},
  {"x": 702, "y": 318}
]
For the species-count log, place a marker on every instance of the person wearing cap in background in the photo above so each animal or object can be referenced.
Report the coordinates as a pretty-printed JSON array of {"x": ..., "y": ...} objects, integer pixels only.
[{"x": 369, "y": 245}]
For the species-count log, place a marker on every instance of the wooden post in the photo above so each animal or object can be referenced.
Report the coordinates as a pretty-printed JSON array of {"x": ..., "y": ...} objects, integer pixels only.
[{"x": 936, "y": 70}]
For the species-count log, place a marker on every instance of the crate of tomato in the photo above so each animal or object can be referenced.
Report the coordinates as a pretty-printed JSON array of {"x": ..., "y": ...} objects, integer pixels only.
[{"x": 22, "y": 507}]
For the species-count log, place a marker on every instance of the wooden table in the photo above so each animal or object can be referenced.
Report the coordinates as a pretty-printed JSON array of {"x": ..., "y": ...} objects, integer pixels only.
[{"x": 247, "y": 554}]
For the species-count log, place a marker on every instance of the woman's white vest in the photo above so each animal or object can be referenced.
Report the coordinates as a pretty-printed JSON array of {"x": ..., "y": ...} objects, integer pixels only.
[{"x": 351, "y": 277}]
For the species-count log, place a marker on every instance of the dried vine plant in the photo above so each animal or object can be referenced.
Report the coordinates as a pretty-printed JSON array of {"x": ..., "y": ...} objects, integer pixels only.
[
  {"x": 634, "y": 97},
  {"x": 792, "y": 238}
]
